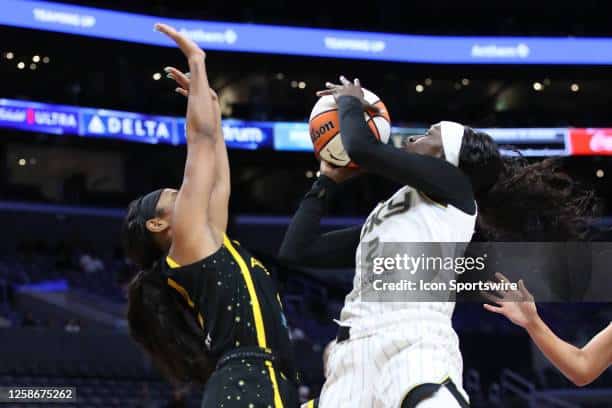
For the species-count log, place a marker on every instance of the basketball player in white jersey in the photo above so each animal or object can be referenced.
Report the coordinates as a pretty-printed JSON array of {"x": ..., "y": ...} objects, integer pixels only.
[{"x": 406, "y": 353}]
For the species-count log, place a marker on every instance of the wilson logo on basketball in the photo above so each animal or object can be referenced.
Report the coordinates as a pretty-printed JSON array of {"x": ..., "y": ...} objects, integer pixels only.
[{"x": 317, "y": 133}]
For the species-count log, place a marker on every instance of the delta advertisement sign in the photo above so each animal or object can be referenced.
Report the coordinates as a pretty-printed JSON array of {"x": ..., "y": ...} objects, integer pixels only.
[{"x": 254, "y": 135}]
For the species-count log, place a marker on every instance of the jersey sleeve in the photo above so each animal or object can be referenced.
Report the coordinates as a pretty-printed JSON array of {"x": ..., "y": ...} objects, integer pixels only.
[
  {"x": 437, "y": 178},
  {"x": 304, "y": 244}
]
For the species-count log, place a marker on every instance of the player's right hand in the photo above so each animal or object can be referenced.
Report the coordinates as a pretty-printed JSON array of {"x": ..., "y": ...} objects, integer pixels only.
[
  {"x": 189, "y": 47},
  {"x": 338, "y": 174},
  {"x": 202, "y": 115},
  {"x": 348, "y": 88},
  {"x": 517, "y": 305}
]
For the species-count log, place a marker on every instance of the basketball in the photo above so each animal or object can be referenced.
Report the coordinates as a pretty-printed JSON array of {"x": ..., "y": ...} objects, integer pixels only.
[{"x": 324, "y": 124}]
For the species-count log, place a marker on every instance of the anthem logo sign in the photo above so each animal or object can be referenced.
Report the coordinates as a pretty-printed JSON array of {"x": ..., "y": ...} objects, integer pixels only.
[{"x": 519, "y": 51}]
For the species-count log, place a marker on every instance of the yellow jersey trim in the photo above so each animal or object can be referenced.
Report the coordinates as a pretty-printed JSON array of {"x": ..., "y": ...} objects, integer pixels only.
[
  {"x": 181, "y": 290},
  {"x": 174, "y": 284},
  {"x": 172, "y": 263},
  {"x": 278, "y": 402},
  {"x": 259, "y": 323},
  {"x": 310, "y": 404},
  {"x": 246, "y": 275}
]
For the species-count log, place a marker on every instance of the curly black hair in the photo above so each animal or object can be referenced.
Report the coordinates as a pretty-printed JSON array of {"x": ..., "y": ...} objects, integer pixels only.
[{"x": 518, "y": 200}]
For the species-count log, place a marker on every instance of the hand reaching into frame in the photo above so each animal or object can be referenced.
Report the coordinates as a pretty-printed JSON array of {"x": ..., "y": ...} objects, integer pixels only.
[{"x": 517, "y": 305}]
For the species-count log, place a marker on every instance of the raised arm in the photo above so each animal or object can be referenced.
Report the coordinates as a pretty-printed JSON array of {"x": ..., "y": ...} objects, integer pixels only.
[
  {"x": 219, "y": 197},
  {"x": 580, "y": 365},
  {"x": 435, "y": 177},
  {"x": 304, "y": 244},
  {"x": 192, "y": 235}
]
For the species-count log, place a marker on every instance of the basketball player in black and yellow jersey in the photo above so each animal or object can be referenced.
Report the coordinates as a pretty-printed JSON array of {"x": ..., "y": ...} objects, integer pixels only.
[{"x": 202, "y": 307}]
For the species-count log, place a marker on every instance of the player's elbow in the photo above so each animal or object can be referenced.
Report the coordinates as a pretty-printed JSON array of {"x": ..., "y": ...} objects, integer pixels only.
[
  {"x": 583, "y": 373},
  {"x": 581, "y": 380}
]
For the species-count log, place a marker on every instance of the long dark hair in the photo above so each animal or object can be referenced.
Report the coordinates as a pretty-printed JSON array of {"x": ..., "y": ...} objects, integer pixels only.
[
  {"x": 157, "y": 318},
  {"x": 518, "y": 200}
]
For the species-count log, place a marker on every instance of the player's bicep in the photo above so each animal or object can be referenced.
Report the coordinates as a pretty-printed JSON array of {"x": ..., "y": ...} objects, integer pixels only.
[{"x": 191, "y": 236}]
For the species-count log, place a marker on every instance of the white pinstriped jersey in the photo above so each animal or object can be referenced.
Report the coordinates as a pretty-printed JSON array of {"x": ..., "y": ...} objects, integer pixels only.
[
  {"x": 408, "y": 216},
  {"x": 395, "y": 346}
]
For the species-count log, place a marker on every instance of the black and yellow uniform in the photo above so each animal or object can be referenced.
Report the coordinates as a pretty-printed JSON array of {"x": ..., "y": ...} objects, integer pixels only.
[
  {"x": 235, "y": 302},
  {"x": 313, "y": 403}
]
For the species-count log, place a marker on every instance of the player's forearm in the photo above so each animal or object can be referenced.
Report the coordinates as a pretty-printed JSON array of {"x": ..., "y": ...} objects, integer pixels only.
[
  {"x": 435, "y": 177},
  {"x": 570, "y": 360},
  {"x": 219, "y": 198},
  {"x": 357, "y": 138},
  {"x": 305, "y": 224}
]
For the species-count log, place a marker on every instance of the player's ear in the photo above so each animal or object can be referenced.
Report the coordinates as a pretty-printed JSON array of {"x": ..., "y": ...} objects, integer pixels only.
[{"x": 156, "y": 224}]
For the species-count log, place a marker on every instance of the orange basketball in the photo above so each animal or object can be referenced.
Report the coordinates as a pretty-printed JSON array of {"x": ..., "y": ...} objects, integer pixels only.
[{"x": 324, "y": 126}]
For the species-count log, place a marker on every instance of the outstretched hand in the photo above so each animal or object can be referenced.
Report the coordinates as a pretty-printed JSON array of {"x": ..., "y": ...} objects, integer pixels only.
[
  {"x": 187, "y": 46},
  {"x": 517, "y": 305},
  {"x": 202, "y": 115},
  {"x": 347, "y": 88}
]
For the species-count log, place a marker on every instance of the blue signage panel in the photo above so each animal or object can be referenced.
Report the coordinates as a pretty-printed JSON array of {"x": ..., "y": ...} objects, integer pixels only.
[
  {"x": 239, "y": 134},
  {"x": 258, "y": 38},
  {"x": 292, "y": 136},
  {"x": 39, "y": 117},
  {"x": 129, "y": 126}
]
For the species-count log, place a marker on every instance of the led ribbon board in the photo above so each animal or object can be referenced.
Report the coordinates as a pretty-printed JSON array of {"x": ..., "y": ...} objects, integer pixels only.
[
  {"x": 250, "y": 135},
  {"x": 268, "y": 39}
]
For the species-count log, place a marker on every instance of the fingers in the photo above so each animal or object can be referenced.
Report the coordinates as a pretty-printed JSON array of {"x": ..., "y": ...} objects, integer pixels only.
[
  {"x": 494, "y": 309},
  {"x": 189, "y": 48},
  {"x": 325, "y": 92},
  {"x": 181, "y": 79},
  {"x": 501, "y": 277},
  {"x": 492, "y": 298},
  {"x": 373, "y": 108},
  {"x": 524, "y": 290},
  {"x": 344, "y": 81},
  {"x": 502, "y": 294},
  {"x": 182, "y": 91},
  {"x": 356, "y": 82},
  {"x": 331, "y": 85}
]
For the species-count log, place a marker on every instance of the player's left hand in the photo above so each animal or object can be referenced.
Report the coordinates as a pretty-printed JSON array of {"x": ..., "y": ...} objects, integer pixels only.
[
  {"x": 338, "y": 174},
  {"x": 517, "y": 305},
  {"x": 347, "y": 88}
]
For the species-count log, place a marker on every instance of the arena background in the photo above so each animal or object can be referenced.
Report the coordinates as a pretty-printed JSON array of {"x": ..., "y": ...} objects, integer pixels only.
[{"x": 63, "y": 184}]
